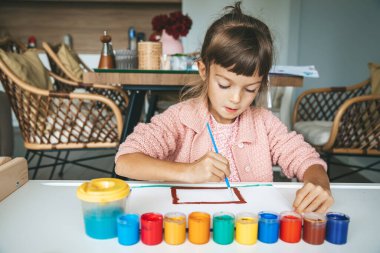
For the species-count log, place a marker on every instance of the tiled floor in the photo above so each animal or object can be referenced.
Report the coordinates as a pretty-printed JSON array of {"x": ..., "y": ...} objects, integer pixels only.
[{"x": 79, "y": 173}]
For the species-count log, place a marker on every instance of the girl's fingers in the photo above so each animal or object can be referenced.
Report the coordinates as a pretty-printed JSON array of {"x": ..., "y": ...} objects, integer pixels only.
[
  {"x": 219, "y": 173},
  {"x": 301, "y": 194},
  {"x": 220, "y": 163},
  {"x": 311, "y": 196},
  {"x": 317, "y": 202},
  {"x": 214, "y": 178},
  {"x": 326, "y": 205}
]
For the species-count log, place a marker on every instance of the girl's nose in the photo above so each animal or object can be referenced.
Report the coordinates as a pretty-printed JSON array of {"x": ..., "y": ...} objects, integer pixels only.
[{"x": 235, "y": 96}]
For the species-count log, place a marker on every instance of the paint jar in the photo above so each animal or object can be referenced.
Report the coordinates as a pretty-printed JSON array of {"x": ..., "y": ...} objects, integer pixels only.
[
  {"x": 103, "y": 200},
  {"x": 128, "y": 229},
  {"x": 199, "y": 227},
  {"x": 175, "y": 228},
  {"x": 223, "y": 228},
  {"x": 268, "y": 227},
  {"x": 337, "y": 227},
  {"x": 314, "y": 228},
  {"x": 290, "y": 227},
  {"x": 246, "y": 228},
  {"x": 151, "y": 228}
]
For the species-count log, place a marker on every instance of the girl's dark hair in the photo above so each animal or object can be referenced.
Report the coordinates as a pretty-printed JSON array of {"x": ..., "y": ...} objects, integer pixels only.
[{"x": 239, "y": 43}]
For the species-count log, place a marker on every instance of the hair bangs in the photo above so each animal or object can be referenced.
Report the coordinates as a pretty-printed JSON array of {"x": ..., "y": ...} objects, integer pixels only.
[{"x": 241, "y": 50}]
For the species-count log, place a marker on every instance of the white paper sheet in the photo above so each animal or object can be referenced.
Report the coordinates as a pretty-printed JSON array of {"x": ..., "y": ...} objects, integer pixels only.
[
  {"x": 305, "y": 71},
  {"x": 205, "y": 195},
  {"x": 159, "y": 199}
]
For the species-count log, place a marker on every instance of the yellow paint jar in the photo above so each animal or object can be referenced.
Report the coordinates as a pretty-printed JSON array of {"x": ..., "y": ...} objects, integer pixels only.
[
  {"x": 175, "y": 228},
  {"x": 246, "y": 228},
  {"x": 199, "y": 227}
]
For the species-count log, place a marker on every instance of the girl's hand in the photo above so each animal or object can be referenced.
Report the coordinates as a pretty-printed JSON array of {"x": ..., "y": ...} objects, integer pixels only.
[
  {"x": 313, "y": 198},
  {"x": 212, "y": 167},
  {"x": 315, "y": 195}
]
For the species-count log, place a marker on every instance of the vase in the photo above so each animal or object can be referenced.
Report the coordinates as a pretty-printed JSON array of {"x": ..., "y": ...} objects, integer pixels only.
[{"x": 170, "y": 45}]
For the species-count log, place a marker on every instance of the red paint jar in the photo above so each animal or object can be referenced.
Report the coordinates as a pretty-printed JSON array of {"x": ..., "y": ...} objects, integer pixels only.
[
  {"x": 151, "y": 228},
  {"x": 314, "y": 228},
  {"x": 290, "y": 227}
]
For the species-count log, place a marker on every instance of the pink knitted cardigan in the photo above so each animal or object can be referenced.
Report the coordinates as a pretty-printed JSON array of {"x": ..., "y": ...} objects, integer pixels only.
[{"x": 179, "y": 134}]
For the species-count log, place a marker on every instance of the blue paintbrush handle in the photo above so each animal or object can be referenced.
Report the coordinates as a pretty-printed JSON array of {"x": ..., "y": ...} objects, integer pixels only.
[
  {"x": 212, "y": 138},
  {"x": 216, "y": 151}
]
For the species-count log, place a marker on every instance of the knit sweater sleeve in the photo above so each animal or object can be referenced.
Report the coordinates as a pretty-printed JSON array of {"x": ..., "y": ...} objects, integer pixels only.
[
  {"x": 157, "y": 139},
  {"x": 288, "y": 149}
]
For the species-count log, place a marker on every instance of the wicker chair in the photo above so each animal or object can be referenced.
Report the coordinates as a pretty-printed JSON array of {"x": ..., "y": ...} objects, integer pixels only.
[
  {"x": 114, "y": 93},
  {"x": 10, "y": 44},
  {"x": 53, "y": 121},
  {"x": 348, "y": 120}
]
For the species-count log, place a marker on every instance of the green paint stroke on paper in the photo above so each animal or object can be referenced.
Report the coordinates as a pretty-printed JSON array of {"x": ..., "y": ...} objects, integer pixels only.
[{"x": 168, "y": 186}]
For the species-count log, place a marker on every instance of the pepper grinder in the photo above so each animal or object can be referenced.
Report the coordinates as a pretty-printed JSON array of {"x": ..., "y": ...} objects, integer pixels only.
[{"x": 107, "y": 58}]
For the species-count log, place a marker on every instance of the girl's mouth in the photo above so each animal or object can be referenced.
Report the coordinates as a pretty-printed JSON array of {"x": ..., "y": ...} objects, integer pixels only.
[{"x": 230, "y": 110}]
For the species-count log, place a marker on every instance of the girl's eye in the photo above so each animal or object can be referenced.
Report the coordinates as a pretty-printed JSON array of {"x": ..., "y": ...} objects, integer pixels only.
[
  {"x": 251, "y": 91},
  {"x": 223, "y": 86}
]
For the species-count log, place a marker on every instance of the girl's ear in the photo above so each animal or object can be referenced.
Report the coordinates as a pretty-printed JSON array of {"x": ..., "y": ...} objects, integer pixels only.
[{"x": 202, "y": 69}]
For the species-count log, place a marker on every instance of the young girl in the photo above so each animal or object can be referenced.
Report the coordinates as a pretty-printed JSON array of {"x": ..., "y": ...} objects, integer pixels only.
[{"x": 235, "y": 61}]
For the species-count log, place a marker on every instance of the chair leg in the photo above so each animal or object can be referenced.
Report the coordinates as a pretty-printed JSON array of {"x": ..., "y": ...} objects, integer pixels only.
[
  {"x": 152, "y": 108},
  {"x": 27, "y": 155},
  {"x": 38, "y": 165},
  {"x": 60, "y": 174},
  {"x": 55, "y": 165}
]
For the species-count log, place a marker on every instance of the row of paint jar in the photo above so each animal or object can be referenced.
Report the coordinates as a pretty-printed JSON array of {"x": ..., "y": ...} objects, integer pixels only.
[{"x": 266, "y": 227}]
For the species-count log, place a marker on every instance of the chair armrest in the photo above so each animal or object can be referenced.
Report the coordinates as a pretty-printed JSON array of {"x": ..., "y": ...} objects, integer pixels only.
[
  {"x": 356, "y": 127},
  {"x": 322, "y": 103}
]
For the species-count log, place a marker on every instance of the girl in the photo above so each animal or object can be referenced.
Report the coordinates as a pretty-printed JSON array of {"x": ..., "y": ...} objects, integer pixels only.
[{"x": 235, "y": 60}]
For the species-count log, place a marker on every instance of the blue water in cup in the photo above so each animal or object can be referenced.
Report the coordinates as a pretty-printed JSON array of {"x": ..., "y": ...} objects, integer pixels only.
[
  {"x": 128, "y": 229},
  {"x": 101, "y": 223}
]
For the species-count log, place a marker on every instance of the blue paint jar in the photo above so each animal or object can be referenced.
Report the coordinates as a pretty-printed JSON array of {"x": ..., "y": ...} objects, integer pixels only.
[
  {"x": 103, "y": 200},
  {"x": 128, "y": 229},
  {"x": 337, "y": 227},
  {"x": 269, "y": 226}
]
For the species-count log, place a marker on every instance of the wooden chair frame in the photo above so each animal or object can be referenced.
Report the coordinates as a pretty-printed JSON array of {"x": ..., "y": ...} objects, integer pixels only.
[{"x": 355, "y": 114}]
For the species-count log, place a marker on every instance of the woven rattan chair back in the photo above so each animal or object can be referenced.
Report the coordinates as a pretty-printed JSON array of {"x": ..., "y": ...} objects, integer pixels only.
[
  {"x": 116, "y": 94},
  {"x": 61, "y": 120},
  {"x": 323, "y": 105},
  {"x": 9, "y": 44}
]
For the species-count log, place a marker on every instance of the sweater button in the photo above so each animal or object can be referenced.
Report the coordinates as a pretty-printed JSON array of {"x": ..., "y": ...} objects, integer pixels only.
[
  {"x": 241, "y": 145},
  {"x": 247, "y": 169}
]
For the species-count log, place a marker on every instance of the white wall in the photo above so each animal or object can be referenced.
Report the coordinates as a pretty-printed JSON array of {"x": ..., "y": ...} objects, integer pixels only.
[
  {"x": 276, "y": 14},
  {"x": 340, "y": 37}
]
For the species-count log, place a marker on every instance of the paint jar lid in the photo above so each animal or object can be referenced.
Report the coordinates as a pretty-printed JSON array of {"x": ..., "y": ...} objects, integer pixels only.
[
  {"x": 103, "y": 190},
  {"x": 290, "y": 216},
  {"x": 268, "y": 217},
  {"x": 338, "y": 217},
  {"x": 314, "y": 217}
]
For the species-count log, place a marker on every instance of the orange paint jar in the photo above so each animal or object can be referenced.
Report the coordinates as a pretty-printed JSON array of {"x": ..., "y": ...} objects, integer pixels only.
[
  {"x": 199, "y": 227},
  {"x": 175, "y": 228}
]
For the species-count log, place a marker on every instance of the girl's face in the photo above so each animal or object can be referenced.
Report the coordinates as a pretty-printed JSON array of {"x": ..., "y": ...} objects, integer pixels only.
[{"x": 229, "y": 94}]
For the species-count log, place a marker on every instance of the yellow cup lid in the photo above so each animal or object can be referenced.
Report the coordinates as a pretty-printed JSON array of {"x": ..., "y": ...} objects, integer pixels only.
[{"x": 103, "y": 190}]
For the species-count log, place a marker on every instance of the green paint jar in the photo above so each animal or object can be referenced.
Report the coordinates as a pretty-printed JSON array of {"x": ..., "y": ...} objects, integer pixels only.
[{"x": 223, "y": 228}]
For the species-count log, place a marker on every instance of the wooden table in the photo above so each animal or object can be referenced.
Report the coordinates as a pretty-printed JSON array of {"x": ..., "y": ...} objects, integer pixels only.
[{"x": 138, "y": 82}]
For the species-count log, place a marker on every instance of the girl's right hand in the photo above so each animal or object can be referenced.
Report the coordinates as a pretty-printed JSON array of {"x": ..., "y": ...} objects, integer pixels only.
[{"x": 211, "y": 167}]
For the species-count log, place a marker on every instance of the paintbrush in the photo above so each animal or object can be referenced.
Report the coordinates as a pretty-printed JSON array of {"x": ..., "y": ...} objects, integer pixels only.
[{"x": 217, "y": 151}]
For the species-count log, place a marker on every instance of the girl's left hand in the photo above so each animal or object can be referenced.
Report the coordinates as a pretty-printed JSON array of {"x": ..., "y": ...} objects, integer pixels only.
[{"x": 313, "y": 197}]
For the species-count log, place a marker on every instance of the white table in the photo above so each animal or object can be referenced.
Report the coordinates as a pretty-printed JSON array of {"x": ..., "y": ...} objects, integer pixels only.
[{"x": 46, "y": 216}]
